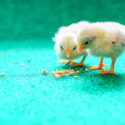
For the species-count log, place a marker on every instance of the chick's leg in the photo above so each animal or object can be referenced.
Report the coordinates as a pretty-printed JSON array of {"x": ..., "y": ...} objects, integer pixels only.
[
  {"x": 111, "y": 71},
  {"x": 100, "y": 66},
  {"x": 81, "y": 63}
]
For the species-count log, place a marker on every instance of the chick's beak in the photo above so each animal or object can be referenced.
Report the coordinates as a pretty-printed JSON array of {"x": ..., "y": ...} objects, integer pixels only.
[
  {"x": 68, "y": 53},
  {"x": 80, "y": 48}
]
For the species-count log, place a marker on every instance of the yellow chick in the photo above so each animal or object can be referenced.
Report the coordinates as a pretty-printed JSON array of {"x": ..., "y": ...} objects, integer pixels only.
[
  {"x": 103, "y": 39},
  {"x": 66, "y": 43}
]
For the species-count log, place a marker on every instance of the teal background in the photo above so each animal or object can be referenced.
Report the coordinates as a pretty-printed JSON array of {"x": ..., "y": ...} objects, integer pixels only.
[
  {"x": 27, "y": 97},
  {"x": 40, "y": 19}
]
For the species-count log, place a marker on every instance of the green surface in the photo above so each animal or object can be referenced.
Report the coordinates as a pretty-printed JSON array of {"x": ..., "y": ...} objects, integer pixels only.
[{"x": 29, "y": 98}]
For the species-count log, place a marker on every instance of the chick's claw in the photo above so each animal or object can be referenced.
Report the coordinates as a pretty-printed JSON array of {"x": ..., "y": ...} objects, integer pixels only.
[
  {"x": 61, "y": 61},
  {"x": 107, "y": 72},
  {"x": 98, "y": 67},
  {"x": 105, "y": 64},
  {"x": 78, "y": 64},
  {"x": 66, "y": 62},
  {"x": 69, "y": 61}
]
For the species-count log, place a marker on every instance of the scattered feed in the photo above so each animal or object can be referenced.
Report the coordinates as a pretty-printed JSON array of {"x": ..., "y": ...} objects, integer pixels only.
[
  {"x": 76, "y": 77},
  {"x": 58, "y": 74},
  {"x": 22, "y": 64},
  {"x": 2, "y": 74},
  {"x": 45, "y": 72},
  {"x": 15, "y": 61},
  {"x": 28, "y": 67},
  {"x": 86, "y": 69},
  {"x": 28, "y": 60}
]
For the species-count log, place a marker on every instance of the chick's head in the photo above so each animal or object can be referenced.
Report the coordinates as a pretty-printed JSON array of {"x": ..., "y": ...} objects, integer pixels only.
[
  {"x": 85, "y": 39},
  {"x": 66, "y": 45}
]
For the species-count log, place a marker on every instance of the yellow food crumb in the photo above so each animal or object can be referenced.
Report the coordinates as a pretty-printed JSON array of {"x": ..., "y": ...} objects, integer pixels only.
[
  {"x": 72, "y": 73},
  {"x": 28, "y": 67},
  {"x": 86, "y": 69},
  {"x": 45, "y": 72},
  {"x": 76, "y": 77},
  {"x": 22, "y": 64},
  {"x": 57, "y": 76},
  {"x": 2, "y": 74},
  {"x": 15, "y": 61},
  {"x": 63, "y": 72}
]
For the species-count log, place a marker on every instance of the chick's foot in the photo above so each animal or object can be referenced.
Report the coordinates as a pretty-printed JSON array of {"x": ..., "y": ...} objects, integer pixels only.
[
  {"x": 98, "y": 67},
  {"x": 107, "y": 72},
  {"x": 66, "y": 62},
  {"x": 78, "y": 64}
]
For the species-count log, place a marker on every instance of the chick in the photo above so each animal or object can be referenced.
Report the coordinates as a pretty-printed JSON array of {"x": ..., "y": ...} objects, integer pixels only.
[
  {"x": 104, "y": 40},
  {"x": 66, "y": 44}
]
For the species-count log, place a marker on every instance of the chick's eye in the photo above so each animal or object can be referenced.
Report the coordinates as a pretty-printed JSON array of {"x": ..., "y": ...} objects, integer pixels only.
[
  {"x": 86, "y": 43},
  {"x": 61, "y": 47},
  {"x": 74, "y": 48}
]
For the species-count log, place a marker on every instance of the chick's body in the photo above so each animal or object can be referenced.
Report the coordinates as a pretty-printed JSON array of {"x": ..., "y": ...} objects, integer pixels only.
[
  {"x": 66, "y": 41},
  {"x": 109, "y": 39},
  {"x": 106, "y": 39}
]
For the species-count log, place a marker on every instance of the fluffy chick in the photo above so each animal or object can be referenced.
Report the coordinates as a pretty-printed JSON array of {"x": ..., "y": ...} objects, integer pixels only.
[
  {"x": 104, "y": 40},
  {"x": 66, "y": 43}
]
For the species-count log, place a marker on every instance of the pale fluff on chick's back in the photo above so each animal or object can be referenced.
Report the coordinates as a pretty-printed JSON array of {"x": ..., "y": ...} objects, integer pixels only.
[
  {"x": 73, "y": 28},
  {"x": 76, "y": 27}
]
